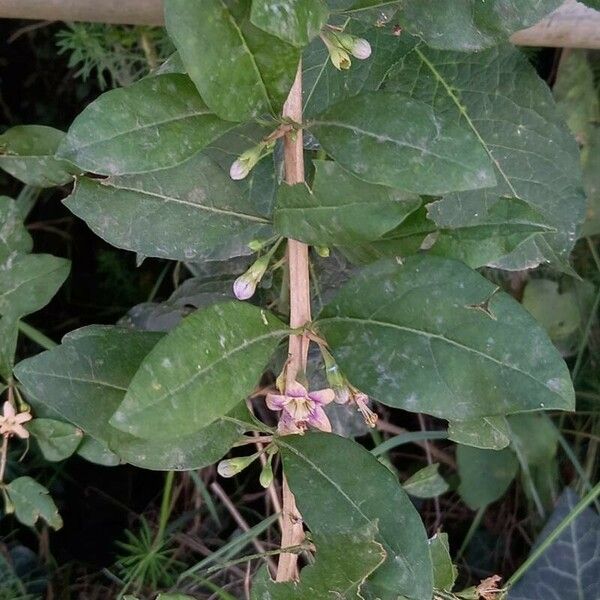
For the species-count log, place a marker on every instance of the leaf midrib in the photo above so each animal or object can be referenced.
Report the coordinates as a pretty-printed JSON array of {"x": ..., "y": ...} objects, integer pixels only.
[
  {"x": 450, "y": 341},
  {"x": 167, "y": 198},
  {"x": 462, "y": 110},
  {"x": 173, "y": 391}
]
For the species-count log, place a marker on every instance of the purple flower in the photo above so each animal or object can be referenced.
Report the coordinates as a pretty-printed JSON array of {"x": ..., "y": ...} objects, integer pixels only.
[{"x": 301, "y": 409}]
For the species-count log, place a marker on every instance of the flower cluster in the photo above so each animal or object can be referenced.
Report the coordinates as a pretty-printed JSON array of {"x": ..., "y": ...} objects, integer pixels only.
[
  {"x": 341, "y": 45},
  {"x": 300, "y": 408},
  {"x": 11, "y": 422}
]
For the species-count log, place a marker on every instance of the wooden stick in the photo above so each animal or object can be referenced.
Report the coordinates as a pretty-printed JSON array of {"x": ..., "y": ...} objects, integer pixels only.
[
  {"x": 292, "y": 532},
  {"x": 573, "y": 25}
]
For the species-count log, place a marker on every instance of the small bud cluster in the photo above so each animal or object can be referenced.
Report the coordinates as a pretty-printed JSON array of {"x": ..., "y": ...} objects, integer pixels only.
[{"x": 342, "y": 45}]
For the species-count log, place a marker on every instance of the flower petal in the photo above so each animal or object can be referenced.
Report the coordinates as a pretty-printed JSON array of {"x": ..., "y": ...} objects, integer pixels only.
[
  {"x": 20, "y": 431},
  {"x": 319, "y": 419},
  {"x": 23, "y": 417},
  {"x": 9, "y": 410},
  {"x": 296, "y": 390},
  {"x": 287, "y": 424},
  {"x": 300, "y": 408},
  {"x": 276, "y": 401},
  {"x": 322, "y": 396}
]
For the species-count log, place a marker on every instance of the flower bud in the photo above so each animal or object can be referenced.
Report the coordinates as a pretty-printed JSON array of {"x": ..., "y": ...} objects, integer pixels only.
[
  {"x": 233, "y": 466},
  {"x": 266, "y": 475},
  {"x": 245, "y": 285},
  {"x": 338, "y": 55},
  {"x": 242, "y": 166},
  {"x": 322, "y": 251},
  {"x": 361, "y": 49},
  {"x": 342, "y": 394}
]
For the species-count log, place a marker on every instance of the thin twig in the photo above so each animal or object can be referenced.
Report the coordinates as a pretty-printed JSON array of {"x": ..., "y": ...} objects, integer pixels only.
[{"x": 237, "y": 517}]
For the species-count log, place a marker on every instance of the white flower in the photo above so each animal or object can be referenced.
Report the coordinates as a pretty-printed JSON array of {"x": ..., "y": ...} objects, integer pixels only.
[
  {"x": 361, "y": 49},
  {"x": 11, "y": 423}
]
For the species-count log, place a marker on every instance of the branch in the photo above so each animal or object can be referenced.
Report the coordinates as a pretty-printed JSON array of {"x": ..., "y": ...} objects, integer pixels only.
[
  {"x": 292, "y": 532},
  {"x": 573, "y": 25}
]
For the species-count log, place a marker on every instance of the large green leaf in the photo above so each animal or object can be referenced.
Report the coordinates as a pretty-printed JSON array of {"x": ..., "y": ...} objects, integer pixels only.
[
  {"x": 499, "y": 97},
  {"x": 32, "y": 501},
  {"x": 340, "y": 208},
  {"x": 193, "y": 211},
  {"x": 155, "y": 123},
  {"x": 240, "y": 71},
  {"x": 570, "y": 566},
  {"x": 200, "y": 371},
  {"x": 84, "y": 380},
  {"x": 334, "y": 499},
  {"x": 431, "y": 335},
  {"x": 393, "y": 140},
  {"x": 27, "y": 153},
  {"x": 485, "y": 231},
  {"x": 484, "y": 474},
  {"x": 14, "y": 238},
  {"x": 470, "y": 25},
  {"x": 29, "y": 282},
  {"x": 342, "y": 564},
  {"x": 296, "y": 22}
]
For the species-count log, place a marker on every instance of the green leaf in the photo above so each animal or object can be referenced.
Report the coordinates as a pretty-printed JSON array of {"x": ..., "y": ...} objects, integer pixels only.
[
  {"x": 335, "y": 499},
  {"x": 340, "y": 208},
  {"x": 343, "y": 562},
  {"x": 32, "y": 501},
  {"x": 592, "y": 3},
  {"x": 562, "y": 311},
  {"x": 57, "y": 440},
  {"x": 569, "y": 567},
  {"x": 484, "y": 232},
  {"x": 392, "y": 140},
  {"x": 324, "y": 85},
  {"x": 576, "y": 94},
  {"x": 193, "y": 211},
  {"x": 27, "y": 153},
  {"x": 484, "y": 474},
  {"x": 444, "y": 572},
  {"x": 403, "y": 333},
  {"x": 490, "y": 433},
  {"x": 500, "y": 98},
  {"x": 201, "y": 370},
  {"x": 240, "y": 71},
  {"x": 14, "y": 238},
  {"x": 97, "y": 452},
  {"x": 153, "y": 124},
  {"x": 29, "y": 282},
  {"x": 426, "y": 483},
  {"x": 534, "y": 439},
  {"x": 296, "y": 22},
  {"x": 9, "y": 332},
  {"x": 470, "y": 25},
  {"x": 84, "y": 380}
]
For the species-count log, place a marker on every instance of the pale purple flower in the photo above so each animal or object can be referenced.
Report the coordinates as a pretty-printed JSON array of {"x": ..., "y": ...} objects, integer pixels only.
[
  {"x": 301, "y": 409},
  {"x": 361, "y": 49}
]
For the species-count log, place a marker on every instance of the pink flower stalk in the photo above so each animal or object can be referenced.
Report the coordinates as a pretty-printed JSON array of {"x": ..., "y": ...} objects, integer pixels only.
[
  {"x": 11, "y": 423},
  {"x": 301, "y": 409}
]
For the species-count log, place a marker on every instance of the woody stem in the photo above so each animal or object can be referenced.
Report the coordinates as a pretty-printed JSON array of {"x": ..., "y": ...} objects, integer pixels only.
[{"x": 292, "y": 533}]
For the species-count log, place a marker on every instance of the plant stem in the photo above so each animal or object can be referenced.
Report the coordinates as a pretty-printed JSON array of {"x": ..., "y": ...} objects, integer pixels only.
[
  {"x": 472, "y": 529},
  {"x": 165, "y": 507},
  {"x": 36, "y": 336},
  {"x": 292, "y": 533},
  {"x": 3, "y": 456},
  {"x": 537, "y": 553}
]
